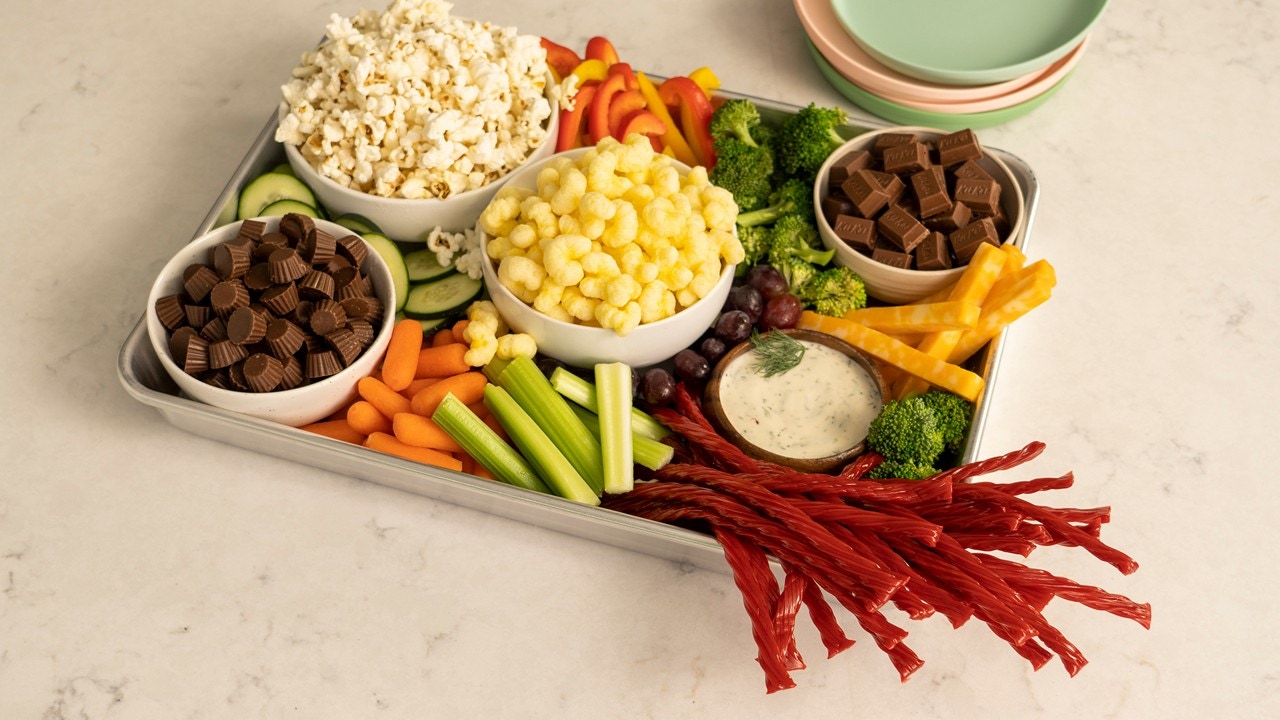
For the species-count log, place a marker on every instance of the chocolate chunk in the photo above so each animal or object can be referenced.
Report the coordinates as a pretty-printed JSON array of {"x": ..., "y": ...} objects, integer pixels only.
[
  {"x": 892, "y": 140},
  {"x": 906, "y": 158},
  {"x": 954, "y": 219},
  {"x": 226, "y": 296},
  {"x": 965, "y": 241},
  {"x": 865, "y": 192},
  {"x": 970, "y": 170},
  {"x": 859, "y": 233},
  {"x": 169, "y": 310},
  {"x": 934, "y": 253},
  {"x": 930, "y": 189},
  {"x": 286, "y": 265},
  {"x": 847, "y": 165},
  {"x": 231, "y": 260},
  {"x": 224, "y": 353},
  {"x": 901, "y": 229},
  {"x": 246, "y": 326},
  {"x": 198, "y": 280},
  {"x": 892, "y": 258},
  {"x": 284, "y": 338},
  {"x": 316, "y": 285},
  {"x": 280, "y": 299},
  {"x": 958, "y": 147},
  {"x": 262, "y": 372},
  {"x": 327, "y": 316},
  {"x": 982, "y": 196}
]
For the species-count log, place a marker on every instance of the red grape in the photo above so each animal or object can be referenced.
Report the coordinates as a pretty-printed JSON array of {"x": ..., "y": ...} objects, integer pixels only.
[
  {"x": 781, "y": 312},
  {"x": 767, "y": 280}
]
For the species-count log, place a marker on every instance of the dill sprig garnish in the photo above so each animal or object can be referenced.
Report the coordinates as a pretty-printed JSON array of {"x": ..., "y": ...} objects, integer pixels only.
[{"x": 776, "y": 352}]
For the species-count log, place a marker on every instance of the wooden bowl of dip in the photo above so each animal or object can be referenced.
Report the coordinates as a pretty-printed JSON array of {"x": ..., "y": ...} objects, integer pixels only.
[{"x": 813, "y": 418}]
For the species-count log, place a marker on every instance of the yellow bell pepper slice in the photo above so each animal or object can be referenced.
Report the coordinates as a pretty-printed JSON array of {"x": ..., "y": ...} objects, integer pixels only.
[
  {"x": 672, "y": 138},
  {"x": 592, "y": 69},
  {"x": 706, "y": 79}
]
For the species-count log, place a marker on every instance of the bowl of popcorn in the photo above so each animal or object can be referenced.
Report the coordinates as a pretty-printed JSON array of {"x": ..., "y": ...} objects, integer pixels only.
[
  {"x": 907, "y": 207},
  {"x": 413, "y": 118},
  {"x": 277, "y": 318},
  {"x": 611, "y": 253}
]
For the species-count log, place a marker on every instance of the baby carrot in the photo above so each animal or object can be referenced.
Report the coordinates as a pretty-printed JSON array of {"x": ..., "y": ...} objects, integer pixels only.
[
  {"x": 336, "y": 429},
  {"x": 365, "y": 419},
  {"x": 419, "y": 431},
  {"x": 416, "y": 386},
  {"x": 459, "y": 328},
  {"x": 442, "y": 337},
  {"x": 385, "y": 443},
  {"x": 468, "y": 387},
  {"x": 469, "y": 463},
  {"x": 494, "y": 425},
  {"x": 402, "y": 354},
  {"x": 442, "y": 361},
  {"x": 380, "y": 395},
  {"x": 480, "y": 409},
  {"x": 483, "y": 472}
]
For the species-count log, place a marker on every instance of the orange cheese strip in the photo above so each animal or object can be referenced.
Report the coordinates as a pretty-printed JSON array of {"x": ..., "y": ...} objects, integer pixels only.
[
  {"x": 975, "y": 282},
  {"x": 1000, "y": 311},
  {"x": 938, "y": 372},
  {"x": 917, "y": 317}
]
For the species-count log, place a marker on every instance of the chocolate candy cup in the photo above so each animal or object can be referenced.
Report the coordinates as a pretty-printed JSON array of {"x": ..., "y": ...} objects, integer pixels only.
[
  {"x": 214, "y": 330},
  {"x": 198, "y": 280},
  {"x": 286, "y": 265},
  {"x": 363, "y": 307},
  {"x": 318, "y": 247},
  {"x": 316, "y": 285},
  {"x": 169, "y": 310},
  {"x": 280, "y": 299},
  {"x": 327, "y": 316},
  {"x": 251, "y": 230},
  {"x": 225, "y": 353},
  {"x": 363, "y": 330},
  {"x": 295, "y": 226},
  {"x": 345, "y": 343},
  {"x": 246, "y": 326},
  {"x": 197, "y": 315},
  {"x": 353, "y": 249},
  {"x": 291, "y": 374},
  {"x": 258, "y": 278},
  {"x": 284, "y": 338},
  {"x": 262, "y": 372},
  {"x": 226, "y": 296},
  {"x": 322, "y": 364},
  {"x": 232, "y": 260}
]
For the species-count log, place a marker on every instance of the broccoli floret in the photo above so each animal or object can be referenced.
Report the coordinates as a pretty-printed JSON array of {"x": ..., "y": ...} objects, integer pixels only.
[
  {"x": 735, "y": 118},
  {"x": 755, "y": 243},
  {"x": 793, "y": 197},
  {"x": 796, "y": 271},
  {"x": 793, "y": 236},
  {"x": 902, "y": 470},
  {"x": 906, "y": 430},
  {"x": 952, "y": 414},
  {"x": 835, "y": 291},
  {"x": 744, "y": 170},
  {"x": 808, "y": 138}
]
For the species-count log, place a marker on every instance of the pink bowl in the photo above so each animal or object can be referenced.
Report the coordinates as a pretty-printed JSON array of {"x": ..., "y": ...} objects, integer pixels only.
[{"x": 829, "y": 36}]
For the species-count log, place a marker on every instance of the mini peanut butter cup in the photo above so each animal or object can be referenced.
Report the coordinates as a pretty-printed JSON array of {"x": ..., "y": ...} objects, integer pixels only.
[
  {"x": 197, "y": 315},
  {"x": 231, "y": 260},
  {"x": 336, "y": 263},
  {"x": 322, "y": 364},
  {"x": 169, "y": 310},
  {"x": 362, "y": 329},
  {"x": 269, "y": 243},
  {"x": 195, "y": 355},
  {"x": 224, "y": 353},
  {"x": 262, "y": 372},
  {"x": 291, "y": 373},
  {"x": 236, "y": 374},
  {"x": 217, "y": 378},
  {"x": 178, "y": 343},
  {"x": 327, "y": 316},
  {"x": 226, "y": 296},
  {"x": 258, "y": 278},
  {"x": 345, "y": 343},
  {"x": 280, "y": 299},
  {"x": 251, "y": 230},
  {"x": 197, "y": 280},
  {"x": 316, "y": 285},
  {"x": 284, "y": 337},
  {"x": 246, "y": 326},
  {"x": 317, "y": 246},
  {"x": 363, "y": 307},
  {"x": 302, "y": 313},
  {"x": 294, "y": 226},
  {"x": 214, "y": 330},
  {"x": 353, "y": 248},
  {"x": 286, "y": 265}
]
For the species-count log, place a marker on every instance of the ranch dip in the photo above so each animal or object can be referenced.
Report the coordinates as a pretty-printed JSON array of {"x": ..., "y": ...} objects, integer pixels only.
[{"x": 821, "y": 407}]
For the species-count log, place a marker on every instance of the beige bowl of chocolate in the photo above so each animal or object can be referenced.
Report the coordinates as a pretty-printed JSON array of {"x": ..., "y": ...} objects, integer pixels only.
[
  {"x": 309, "y": 402},
  {"x": 813, "y": 418},
  {"x": 1001, "y": 220}
]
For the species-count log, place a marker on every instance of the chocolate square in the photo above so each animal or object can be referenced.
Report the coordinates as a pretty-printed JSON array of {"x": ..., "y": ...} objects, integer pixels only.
[
  {"x": 865, "y": 192},
  {"x": 891, "y": 183},
  {"x": 948, "y": 222},
  {"x": 965, "y": 241},
  {"x": 982, "y": 196},
  {"x": 847, "y": 165},
  {"x": 934, "y": 253},
  {"x": 906, "y": 159},
  {"x": 859, "y": 233},
  {"x": 892, "y": 258},
  {"x": 835, "y": 205},
  {"x": 930, "y": 188},
  {"x": 958, "y": 147},
  {"x": 970, "y": 170},
  {"x": 890, "y": 140},
  {"x": 901, "y": 229}
]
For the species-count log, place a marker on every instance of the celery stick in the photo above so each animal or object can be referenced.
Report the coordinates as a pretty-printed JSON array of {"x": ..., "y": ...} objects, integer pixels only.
[
  {"x": 613, "y": 400},
  {"x": 483, "y": 444},
  {"x": 494, "y": 369},
  {"x": 649, "y": 453},
  {"x": 582, "y": 392},
  {"x": 529, "y": 387},
  {"x": 551, "y": 464}
]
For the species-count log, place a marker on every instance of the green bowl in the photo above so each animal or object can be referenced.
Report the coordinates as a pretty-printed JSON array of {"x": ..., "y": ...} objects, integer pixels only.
[
  {"x": 968, "y": 42},
  {"x": 902, "y": 115}
]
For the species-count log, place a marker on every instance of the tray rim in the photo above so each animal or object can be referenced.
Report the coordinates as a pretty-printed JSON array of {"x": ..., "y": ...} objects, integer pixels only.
[{"x": 614, "y": 528}]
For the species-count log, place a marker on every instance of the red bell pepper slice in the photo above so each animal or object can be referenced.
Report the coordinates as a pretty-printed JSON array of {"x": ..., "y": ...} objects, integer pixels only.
[
  {"x": 624, "y": 69},
  {"x": 695, "y": 116},
  {"x": 598, "y": 113},
  {"x": 570, "y": 134},
  {"x": 644, "y": 123},
  {"x": 560, "y": 59},
  {"x": 601, "y": 49},
  {"x": 624, "y": 103}
]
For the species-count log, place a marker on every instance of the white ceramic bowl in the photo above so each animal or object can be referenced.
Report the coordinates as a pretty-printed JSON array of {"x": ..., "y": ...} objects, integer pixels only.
[
  {"x": 299, "y": 406},
  {"x": 402, "y": 218},
  {"x": 896, "y": 285},
  {"x": 584, "y": 346}
]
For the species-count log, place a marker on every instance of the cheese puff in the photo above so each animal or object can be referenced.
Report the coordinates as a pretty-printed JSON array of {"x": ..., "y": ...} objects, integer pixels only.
[
  {"x": 646, "y": 272},
  {"x": 623, "y": 226},
  {"x": 629, "y": 257},
  {"x": 686, "y": 297},
  {"x": 705, "y": 277},
  {"x": 569, "y": 225},
  {"x": 516, "y": 345},
  {"x": 498, "y": 216},
  {"x": 499, "y": 247},
  {"x": 578, "y": 305},
  {"x": 547, "y": 177},
  {"x": 481, "y": 351},
  {"x": 666, "y": 256},
  {"x": 635, "y": 154},
  {"x": 621, "y": 320},
  {"x": 656, "y": 302},
  {"x": 594, "y": 286},
  {"x": 729, "y": 246},
  {"x": 677, "y": 277},
  {"x": 602, "y": 264},
  {"x": 665, "y": 181},
  {"x": 697, "y": 177},
  {"x": 549, "y": 297},
  {"x": 659, "y": 214},
  {"x": 538, "y": 212},
  {"x": 522, "y": 236},
  {"x": 621, "y": 290},
  {"x": 516, "y": 272},
  {"x": 560, "y": 256},
  {"x": 596, "y": 205},
  {"x": 573, "y": 185},
  {"x": 639, "y": 195}
]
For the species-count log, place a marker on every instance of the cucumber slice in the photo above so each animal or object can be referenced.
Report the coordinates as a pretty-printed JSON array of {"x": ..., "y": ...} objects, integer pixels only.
[
  {"x": 442, "y": 297},
  {"x": 270, "y": 187},
  {"x": 285, "y": 169},
  {"x": 423, "y": 266},
  {"x": 284, "y": 207},
  {"x": 388, "y": 251},
  {"x": 429, "y": 327},
  {"x": 357, "y": 223}
]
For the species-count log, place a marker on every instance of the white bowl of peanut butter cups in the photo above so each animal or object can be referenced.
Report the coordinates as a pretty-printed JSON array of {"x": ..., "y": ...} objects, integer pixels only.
[
  {"x": 277, "y": 318},
  {"x": 906, "y": 207},
  {"x": 581, "y": 341}
]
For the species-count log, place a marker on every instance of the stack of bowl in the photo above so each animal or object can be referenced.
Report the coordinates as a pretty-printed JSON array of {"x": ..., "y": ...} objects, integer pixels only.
[{"x": 948, "y": 64}]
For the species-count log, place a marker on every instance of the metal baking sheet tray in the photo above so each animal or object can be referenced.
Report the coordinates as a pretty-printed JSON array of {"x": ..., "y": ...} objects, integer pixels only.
[{"x": 144, "y": 378}]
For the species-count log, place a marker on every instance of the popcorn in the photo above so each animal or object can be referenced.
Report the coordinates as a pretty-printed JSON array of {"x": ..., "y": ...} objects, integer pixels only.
[{"x": 414, "y": 103}]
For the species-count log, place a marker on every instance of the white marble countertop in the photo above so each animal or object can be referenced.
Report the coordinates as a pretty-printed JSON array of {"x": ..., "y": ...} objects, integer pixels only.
[{"x": 146, "y": 572}]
